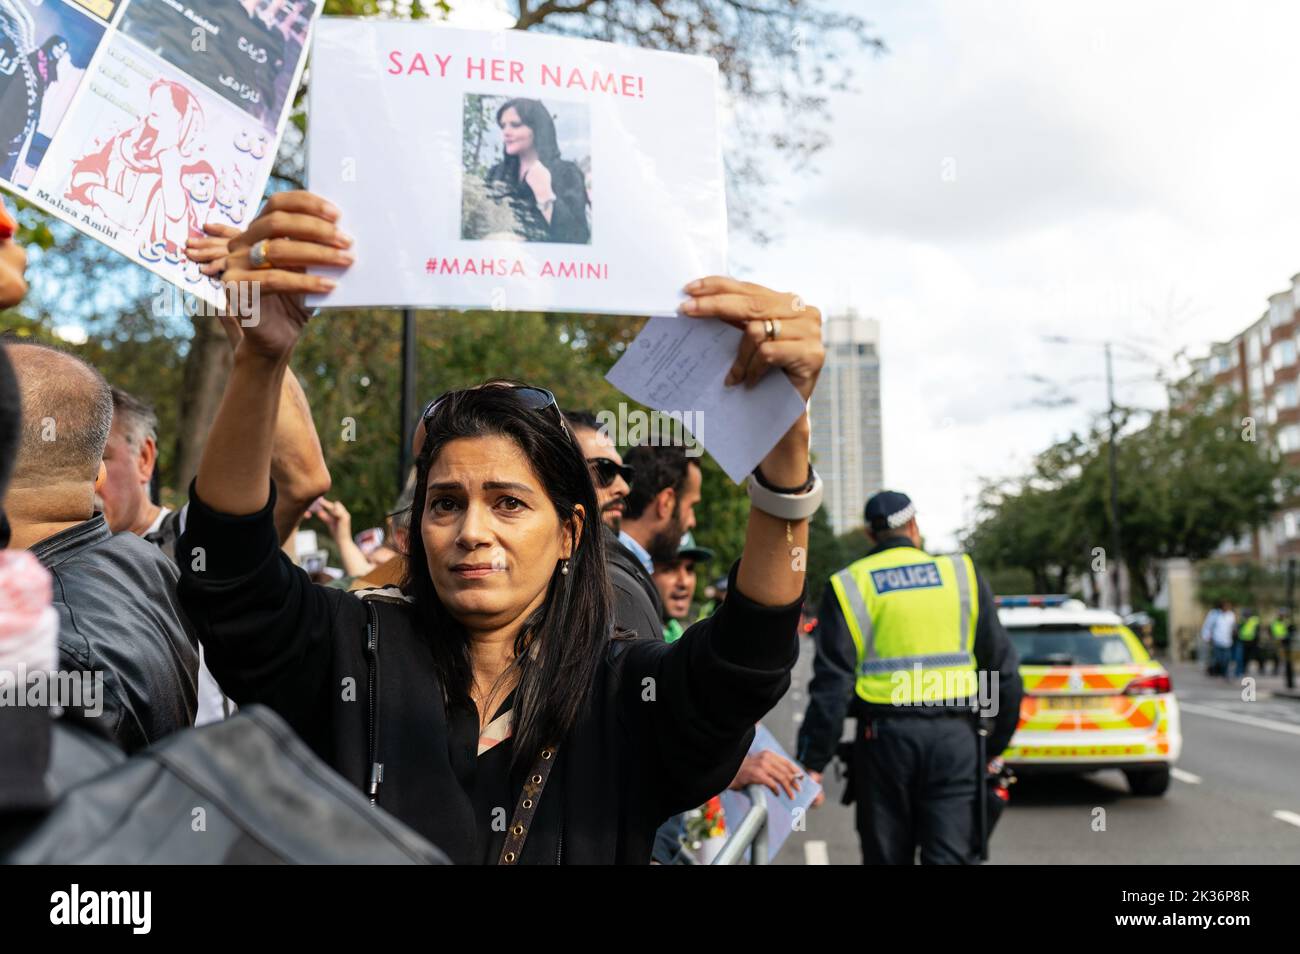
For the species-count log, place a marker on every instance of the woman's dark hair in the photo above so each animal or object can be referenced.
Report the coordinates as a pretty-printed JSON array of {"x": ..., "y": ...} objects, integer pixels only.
[
  {"x": 562, "y": 643},
  {"x": 533, "y": 115},
  {"x": 658, "y": 467}
]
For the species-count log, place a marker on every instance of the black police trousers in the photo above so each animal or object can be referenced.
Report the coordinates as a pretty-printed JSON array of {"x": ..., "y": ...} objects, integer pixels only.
[{"x": 914, "y": 782}]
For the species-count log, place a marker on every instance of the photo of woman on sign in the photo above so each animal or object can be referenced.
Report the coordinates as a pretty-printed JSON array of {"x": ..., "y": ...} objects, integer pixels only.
[{"x": 530, "y": 193}]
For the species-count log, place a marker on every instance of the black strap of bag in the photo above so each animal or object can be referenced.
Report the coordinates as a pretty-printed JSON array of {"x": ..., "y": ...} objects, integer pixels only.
[{"x": 529, "y": 796}]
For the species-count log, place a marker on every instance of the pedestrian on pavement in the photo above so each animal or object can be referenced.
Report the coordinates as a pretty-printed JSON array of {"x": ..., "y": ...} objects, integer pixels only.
[
  {"x": 1246, "y": 646},
  {"x": 908, "y": 638},
  {"x": 1222, "y": 631},
  {"x": 1207, "y": 637},
  {"x": 1280, "y": 630}
]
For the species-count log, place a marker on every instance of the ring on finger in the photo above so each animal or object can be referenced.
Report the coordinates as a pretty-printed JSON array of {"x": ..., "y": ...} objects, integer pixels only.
[
  {"x": 259, "y": 255},
  {"x": 769, "y": 329},
  {"x": 776, "y": 328}
]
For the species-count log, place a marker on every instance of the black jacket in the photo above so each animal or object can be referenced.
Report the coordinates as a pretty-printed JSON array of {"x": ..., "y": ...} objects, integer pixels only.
[
  {"x": 665, "y": 728},
  {"x": 831, "y": 693},
  {"x": 119, "y": 615},
  {"x": 637, "y": 606}
]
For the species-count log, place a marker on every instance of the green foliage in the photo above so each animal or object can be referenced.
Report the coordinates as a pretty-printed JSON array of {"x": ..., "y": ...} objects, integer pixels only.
[
  {"x": 1187, "y": 479},
  {"x": 825, "y": 556},
  {"x": 1246, "y": 585},
  {"x": 1009, "y": 579}
]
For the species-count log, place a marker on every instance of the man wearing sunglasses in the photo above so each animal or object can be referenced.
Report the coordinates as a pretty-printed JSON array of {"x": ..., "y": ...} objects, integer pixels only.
[{"x": 636, "y": 599}]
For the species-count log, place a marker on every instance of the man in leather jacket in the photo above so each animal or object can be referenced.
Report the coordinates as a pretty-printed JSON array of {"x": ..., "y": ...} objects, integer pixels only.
[
  {"x": 114, "y": 593},
  {"x": 637, "y": 607}
]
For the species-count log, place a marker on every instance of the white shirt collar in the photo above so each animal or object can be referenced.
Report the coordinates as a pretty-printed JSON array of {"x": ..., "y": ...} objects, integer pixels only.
[{"x": 640, "y": 552}]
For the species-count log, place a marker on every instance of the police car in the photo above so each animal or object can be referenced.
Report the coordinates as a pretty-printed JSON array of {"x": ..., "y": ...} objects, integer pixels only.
[{"x": 1094, "y": 699}]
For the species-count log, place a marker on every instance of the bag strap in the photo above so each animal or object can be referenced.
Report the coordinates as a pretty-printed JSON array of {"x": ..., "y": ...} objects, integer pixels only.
[{"x": 529, "y": 796}]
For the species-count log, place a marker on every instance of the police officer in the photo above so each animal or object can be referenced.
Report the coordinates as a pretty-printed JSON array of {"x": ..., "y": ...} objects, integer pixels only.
[
  {"x": 911, "y": 643},
  {"x": 1280, "y": 630},
  {"x": 1247, "y": 645}
]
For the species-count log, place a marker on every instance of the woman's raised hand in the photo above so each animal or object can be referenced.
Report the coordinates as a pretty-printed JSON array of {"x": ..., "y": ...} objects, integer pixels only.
[
  {"x": 781, "y": 330},
  {"x": 299, "y": 230}
]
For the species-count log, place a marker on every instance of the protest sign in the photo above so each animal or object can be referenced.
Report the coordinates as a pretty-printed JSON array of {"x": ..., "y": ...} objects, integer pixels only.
[
  {"x": 140, "y": 121},
  {"x": 505, "y": 170},
  {"x": 784, "y": 814}
]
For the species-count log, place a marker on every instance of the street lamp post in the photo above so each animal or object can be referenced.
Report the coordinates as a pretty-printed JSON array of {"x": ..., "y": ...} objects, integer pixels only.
[
  {"x": 1117, "y": 553},
  {"x": 1115, "y": 558},
  {"x": 1290, "y": 607},
  {"x": 406, "y": 426}
]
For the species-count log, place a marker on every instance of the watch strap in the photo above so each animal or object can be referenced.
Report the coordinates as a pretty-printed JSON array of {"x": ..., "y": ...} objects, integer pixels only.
[{"x": 786, "y": 506}]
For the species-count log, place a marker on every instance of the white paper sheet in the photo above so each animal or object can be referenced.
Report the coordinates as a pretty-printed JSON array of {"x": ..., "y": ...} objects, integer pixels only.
[{"x": 679, "y": 364}]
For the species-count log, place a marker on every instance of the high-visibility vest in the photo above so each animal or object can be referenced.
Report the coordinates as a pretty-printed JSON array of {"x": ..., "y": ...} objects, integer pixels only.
[
  {"x": 912, "y": 617},
  {"x": 1279, "y": 629},
  {"x": 1248, "y": 629}
]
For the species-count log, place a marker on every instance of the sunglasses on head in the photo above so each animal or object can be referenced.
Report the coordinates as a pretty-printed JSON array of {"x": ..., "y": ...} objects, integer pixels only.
[
  {"x": 605, "y": 471},
  {"x": 534, "y": 399}
]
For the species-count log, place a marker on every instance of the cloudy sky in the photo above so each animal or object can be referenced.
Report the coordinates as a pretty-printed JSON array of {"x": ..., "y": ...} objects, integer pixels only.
[{"x": 1114, "y": 170}]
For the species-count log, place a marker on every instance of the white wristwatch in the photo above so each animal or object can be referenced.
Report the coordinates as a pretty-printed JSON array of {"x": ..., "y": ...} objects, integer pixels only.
[{"x": 786, "y": 506}]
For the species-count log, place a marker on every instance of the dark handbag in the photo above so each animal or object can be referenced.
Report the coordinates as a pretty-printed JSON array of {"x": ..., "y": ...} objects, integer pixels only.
[{"x": 243, "y": 791}]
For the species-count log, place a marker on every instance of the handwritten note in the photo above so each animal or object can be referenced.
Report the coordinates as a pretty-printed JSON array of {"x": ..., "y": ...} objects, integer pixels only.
[{"x": 679, "y": 364}]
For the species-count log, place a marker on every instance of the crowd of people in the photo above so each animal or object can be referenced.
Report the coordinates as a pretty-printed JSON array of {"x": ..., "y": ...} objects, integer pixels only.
[
  {"x": 1232, "y": 641},
  {"x": 515, "y": 665},
  {"x": 522, "y": 633}
]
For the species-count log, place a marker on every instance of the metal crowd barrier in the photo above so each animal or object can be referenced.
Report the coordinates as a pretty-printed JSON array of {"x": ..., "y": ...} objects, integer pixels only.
[{"x": 751, "y": 832}]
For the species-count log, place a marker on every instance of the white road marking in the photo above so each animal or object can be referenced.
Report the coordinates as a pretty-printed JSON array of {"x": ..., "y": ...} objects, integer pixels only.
[
  {"x": 1291, "y": 818},
  {"x": 1196, "y": 709},
  {"x": 814, "y": 853},
  {"x": 1187, "y": 777}
]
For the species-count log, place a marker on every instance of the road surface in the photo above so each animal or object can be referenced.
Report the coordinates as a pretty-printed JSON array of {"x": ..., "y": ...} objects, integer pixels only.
[{"x": 1235, "y": 797}]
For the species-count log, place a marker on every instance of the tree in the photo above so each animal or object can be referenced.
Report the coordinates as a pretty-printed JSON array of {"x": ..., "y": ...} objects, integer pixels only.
[
  {"x": 1189, "y": 478},
  {"x": 1038, "y": 523},
  {"x": 826, "y": 556},
  {"x": 1247, "y": 585}
]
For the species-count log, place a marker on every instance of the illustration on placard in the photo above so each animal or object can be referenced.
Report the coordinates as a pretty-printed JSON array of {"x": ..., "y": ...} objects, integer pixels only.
[{"x": 148, "y": 158}]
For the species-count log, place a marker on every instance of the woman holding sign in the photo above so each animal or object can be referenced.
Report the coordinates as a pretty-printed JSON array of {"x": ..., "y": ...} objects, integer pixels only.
[{"x": 490, "y": 703}]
